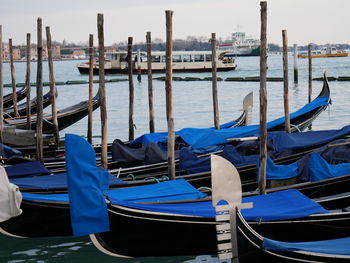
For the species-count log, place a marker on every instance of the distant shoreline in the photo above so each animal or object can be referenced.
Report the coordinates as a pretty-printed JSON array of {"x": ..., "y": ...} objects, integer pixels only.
[{"x": 35, "y": 60}]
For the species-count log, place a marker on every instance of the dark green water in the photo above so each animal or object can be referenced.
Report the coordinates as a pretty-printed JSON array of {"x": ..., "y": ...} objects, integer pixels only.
[{"x": 58, "y": 250}]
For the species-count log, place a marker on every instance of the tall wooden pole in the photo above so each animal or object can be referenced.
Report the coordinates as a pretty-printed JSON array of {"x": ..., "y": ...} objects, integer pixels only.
[
  {"x": 295, "y": 63},
  {"x": 13, "y": 78},
  {"x": 1, "y": 90},
  {"x": 310, "y": 73},
  {"x": 214, "y": 82},
  {"x": 263, "y": 98},
  {"x": 39, "y": 94},
  {"x": 102, "y": 92},
  {"x": 131, "y": 91},
  {"x": 91, "y": 86},
  {"x": 169, "y": 93},
  {"x": 285, "y": 81},
  {"x": 139, "y": 65},
  {"x": 28, "y": 107},
  {"x": 150, "y": 82},
  {"x": 55, "y": 129}
]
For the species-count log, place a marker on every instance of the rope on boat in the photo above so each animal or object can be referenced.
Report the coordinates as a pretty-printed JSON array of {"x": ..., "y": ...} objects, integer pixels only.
[
  {"x": 152, "y": 178},
  {"x": 203, "y": 188},
  {"x": 296, "y": 127},
  {"x": 132, "y": 176}
]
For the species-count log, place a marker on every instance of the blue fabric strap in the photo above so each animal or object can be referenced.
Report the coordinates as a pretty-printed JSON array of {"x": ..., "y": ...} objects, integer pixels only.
[{"x": 86, "y": 183}]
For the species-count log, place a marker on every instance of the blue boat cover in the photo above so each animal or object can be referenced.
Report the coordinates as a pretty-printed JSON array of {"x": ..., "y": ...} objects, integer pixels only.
[
  {"x": 165, "y": 191},
  {"x": 160, "y": 136},
  {"x": 200, "y": 138},
  {"x": 34, "y": 168},
  {"x": 281, "y": 205},
  {"x": 190, "y": 162},
  {"x": 320, "y": 169},
  {"x": 52, "y": 181},
  {"x": 86, "y": 183},
  {"x": 339, "y": 246},
  {"x": 280, "y": 172},
  {"x": 283, "y": 141},
  {"x": 231, "y": 154},
  {"x": 8, "y": 152}
]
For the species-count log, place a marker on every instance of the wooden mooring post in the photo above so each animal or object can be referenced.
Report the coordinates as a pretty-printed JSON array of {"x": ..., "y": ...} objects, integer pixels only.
[
  {"x": 28, "y": 106},
  {"x": 55, "y": 129},
  {"x": 263, "y": 98},
  {"x": 150, "y": 82},
  {"x": 39, "y": 93},
  {"x": 285, "y": 82},
  {"x": 214, "y": 82},
  {"x": 295, "y": 47},
  {"x": 310, "y": 73},
  {"x": 138, "y": 61},
  {"x": 102, "y": 92},
  {"x": 169, "y": 93},
  {"x": 310, "y": 78},
  {"x": 131, "y": 90},
  {"x": 1, "y": 90},
  {"x": 13, "y": 79},
  {"x": 91, "y": 86}
]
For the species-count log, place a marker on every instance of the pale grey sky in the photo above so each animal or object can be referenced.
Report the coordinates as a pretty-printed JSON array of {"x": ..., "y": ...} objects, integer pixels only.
[{"x": 317, "y": 21}]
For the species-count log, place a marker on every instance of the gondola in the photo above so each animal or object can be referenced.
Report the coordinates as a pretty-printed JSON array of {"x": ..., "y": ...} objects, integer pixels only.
[
  {"x": 54, "y": 208},
  {"x": 22, "y": 108},
  {"x": 52, "y": 152},
  {"x": 152, "y": 230},
  {"x": 202, "y": 138},
  {"x": 299, "y": 120},
  {"x": 65, "y": 117},
  {"x": 21, "y": 94},
  {"x": 327, "y": 145},
  {"x": 128, "y": 154}
]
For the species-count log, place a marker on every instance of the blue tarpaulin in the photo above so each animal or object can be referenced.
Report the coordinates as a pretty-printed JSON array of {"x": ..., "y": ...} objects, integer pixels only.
[
  {"x": 286, "y": 204},
  {"x": 164, "y": 191},
  {"x": 279, "y": 141},
  {"x": 192, "y": 163},
  {"x": 320, "y": 169},
  {"x": 280, "y": 172},
  {"x": 52, "y": 181},
  {"x": 283, "y": 141},
  {"x": 86, "y": 183},
  {"x": 160, "y": 136},
  {"x": 200, "y": 138},
  {"x": 339, "y": 246},
  {"x": 8, "y": 152},
  {"x": 27, "y": 169}
]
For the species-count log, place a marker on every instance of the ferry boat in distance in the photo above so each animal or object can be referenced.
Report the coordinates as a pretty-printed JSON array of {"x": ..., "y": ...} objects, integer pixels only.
[
  {"x": 183, "y": 61},
  {"x": 324, "y": 52},
  {"x": 240, "y": 45}
]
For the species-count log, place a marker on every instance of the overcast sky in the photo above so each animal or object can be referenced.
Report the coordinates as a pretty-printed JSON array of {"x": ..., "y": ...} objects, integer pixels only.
[{"x": 316, "y": 21}]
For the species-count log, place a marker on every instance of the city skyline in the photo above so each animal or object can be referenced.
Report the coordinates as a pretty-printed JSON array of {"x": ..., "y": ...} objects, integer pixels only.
[{"x": 73, "y": 21}]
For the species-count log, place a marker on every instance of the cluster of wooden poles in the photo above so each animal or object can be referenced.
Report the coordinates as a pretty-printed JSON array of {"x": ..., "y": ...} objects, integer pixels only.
[
  {"x": 39, "y": 87},
  {"x": 168, "y": 89}
]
